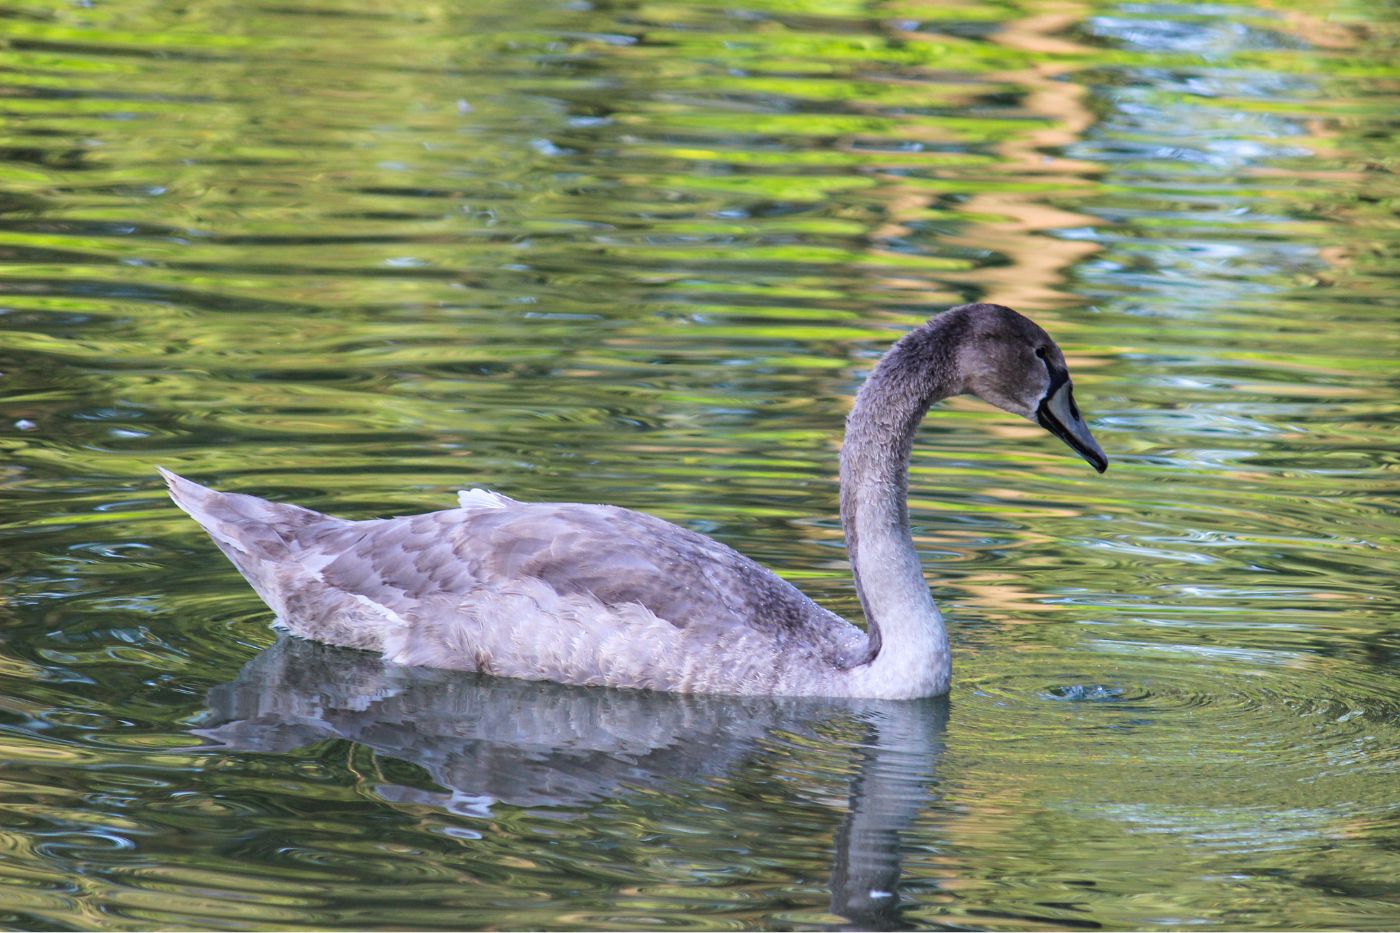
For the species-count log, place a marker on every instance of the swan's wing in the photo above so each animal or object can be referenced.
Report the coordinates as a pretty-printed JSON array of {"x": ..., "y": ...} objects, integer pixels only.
[
  {"x": 615, "y": 555},
  {"x": 583, "y": 594}
]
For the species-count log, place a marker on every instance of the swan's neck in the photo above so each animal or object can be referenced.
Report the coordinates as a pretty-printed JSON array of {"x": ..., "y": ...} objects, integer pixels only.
[{"x": 908, "y": 643}]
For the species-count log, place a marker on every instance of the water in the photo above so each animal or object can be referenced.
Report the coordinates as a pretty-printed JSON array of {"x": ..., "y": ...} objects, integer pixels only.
[{"x": 361, "y": 255}]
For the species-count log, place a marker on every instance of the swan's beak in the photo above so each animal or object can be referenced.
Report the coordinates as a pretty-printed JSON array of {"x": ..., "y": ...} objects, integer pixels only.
[{"x": 1060, "y": 416}]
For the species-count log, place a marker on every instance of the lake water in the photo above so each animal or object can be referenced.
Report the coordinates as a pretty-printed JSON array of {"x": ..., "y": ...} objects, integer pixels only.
[{"x": 360, "y": 255}]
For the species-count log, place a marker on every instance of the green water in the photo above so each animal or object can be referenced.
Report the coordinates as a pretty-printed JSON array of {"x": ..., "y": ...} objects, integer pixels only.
[{"x": 360, "y": 255}]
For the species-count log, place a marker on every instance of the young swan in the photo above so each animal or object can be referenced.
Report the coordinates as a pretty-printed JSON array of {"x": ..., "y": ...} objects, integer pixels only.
[{"x": 600, "y": 595}]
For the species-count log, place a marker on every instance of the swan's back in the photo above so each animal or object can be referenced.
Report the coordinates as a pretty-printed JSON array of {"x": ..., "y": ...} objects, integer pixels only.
[{"x": 586, "y": 594}]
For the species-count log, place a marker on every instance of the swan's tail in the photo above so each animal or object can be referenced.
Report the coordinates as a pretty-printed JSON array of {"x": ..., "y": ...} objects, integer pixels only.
[{"x": 257, "y": 535}]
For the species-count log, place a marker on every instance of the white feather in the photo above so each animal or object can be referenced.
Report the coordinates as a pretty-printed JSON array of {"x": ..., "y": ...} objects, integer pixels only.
[{"x": 482, "y": 499}]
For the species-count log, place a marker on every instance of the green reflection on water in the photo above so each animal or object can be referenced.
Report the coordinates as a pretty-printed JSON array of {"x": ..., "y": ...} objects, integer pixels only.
[{"x": 361, "y": 256}]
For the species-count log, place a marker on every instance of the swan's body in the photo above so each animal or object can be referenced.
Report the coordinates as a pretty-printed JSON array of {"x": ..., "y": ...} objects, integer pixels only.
[{"x": 599, "y": 595}]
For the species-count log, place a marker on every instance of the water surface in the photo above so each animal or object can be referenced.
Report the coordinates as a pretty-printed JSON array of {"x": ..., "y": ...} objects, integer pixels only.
[{"x": 361, "y": 255}]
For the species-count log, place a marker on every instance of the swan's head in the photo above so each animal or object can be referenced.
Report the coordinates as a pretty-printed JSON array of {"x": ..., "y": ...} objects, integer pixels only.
[{"x": 1006, "y": 359}]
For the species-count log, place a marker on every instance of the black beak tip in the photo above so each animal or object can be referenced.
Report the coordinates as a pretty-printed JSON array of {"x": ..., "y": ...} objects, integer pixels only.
[{"x": 1090, "y": 452}]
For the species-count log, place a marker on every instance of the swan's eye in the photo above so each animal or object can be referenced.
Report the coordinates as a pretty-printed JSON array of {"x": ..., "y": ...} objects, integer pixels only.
[{"x": 1043, "y": 353}]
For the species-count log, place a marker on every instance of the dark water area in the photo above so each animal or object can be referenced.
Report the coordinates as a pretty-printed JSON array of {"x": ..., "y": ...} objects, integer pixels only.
[{"x": 362, "y": 255}]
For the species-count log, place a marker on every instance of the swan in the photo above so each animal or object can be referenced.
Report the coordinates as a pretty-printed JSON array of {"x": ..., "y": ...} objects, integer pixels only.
[{"x": 601, "y": 595}]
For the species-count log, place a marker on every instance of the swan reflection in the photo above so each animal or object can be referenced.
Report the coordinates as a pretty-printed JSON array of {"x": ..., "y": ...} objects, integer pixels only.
[{"x": 486, "y": 740}]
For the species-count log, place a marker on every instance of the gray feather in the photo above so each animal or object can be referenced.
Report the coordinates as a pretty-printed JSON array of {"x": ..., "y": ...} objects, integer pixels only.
[{"x": 552, "y": 591}]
